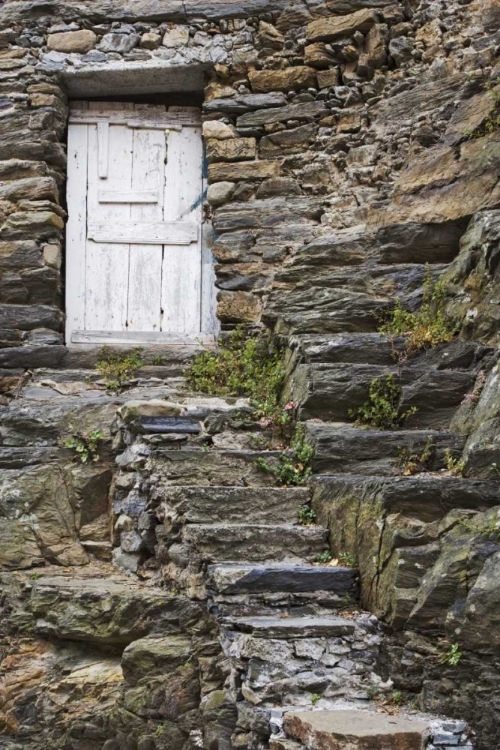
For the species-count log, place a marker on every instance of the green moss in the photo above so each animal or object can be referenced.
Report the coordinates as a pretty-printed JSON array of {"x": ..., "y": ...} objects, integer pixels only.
[{"x": 381, "y": 410}]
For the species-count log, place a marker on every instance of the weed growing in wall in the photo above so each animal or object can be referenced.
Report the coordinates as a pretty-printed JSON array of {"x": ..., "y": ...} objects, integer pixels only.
[
  {"x": 381, "y": 410},
  {"x": 85, "y": 446},
  {"x": 453, "y": 656},
  {"x": 454, "y": 465},
  {"x": 116, "y": 369},
  {"x": 415, "y": 463},
  {"x": 428, "y": 326},
  {"x": 294, "y": 467}
]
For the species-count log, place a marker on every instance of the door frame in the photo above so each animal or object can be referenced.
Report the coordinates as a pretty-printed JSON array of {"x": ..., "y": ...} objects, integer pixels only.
[{"x": 76, "y": 235}]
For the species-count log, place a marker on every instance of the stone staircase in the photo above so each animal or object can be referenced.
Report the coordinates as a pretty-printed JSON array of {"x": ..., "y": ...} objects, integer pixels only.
[{"x": 206, "y": 544}]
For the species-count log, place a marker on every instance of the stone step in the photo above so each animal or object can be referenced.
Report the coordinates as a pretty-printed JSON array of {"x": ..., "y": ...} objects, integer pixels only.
[
  {"x": 360, "y": 729},
  {"x": 97, "y": 605},
  {"x": 256, "y": 579},
  {"x": 343, "y": 448},
  {"x": 254, "y": 542},
  {"x": 379, "y": 349},
  {"x": 360, "y": 348},
  {"x": 212, "y": 467},
  {"x": 205, "y": 505},
  {"x": 333, "y": 391},
  {"x": 293, "y": 627},
  {"x": 423, "y": 497},
  {"x": 356, "y": 730}
]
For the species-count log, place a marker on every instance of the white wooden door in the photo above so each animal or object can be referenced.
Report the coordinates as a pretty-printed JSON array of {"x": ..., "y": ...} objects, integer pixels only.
[{"x": 135, "y": 266}]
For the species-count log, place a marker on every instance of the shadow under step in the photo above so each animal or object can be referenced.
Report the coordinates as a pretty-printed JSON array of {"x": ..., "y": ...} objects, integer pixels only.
[
  {"x": 256, "y": 542},
  {"x": 257, "y": 579},
  {"x": 342, "y": 448},
  {"x": 334, "y": 391}
]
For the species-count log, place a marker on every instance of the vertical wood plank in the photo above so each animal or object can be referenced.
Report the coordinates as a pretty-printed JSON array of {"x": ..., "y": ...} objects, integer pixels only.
[
  {"x": 144, "y": 294},
  {"x": 76, "y": 229},
  {"x": 107, "y": 267},
  {"x": 181, "y": 277},
  {"x": 103, "y": 148}
]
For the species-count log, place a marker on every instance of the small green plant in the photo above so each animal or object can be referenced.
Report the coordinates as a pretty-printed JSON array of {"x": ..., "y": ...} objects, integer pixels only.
[
  {"x": 315, "y": 697},
  {"x": 117, "y": 369},
  {"x": 428, "y": 326},
  {"x": 496, "y": 468},
  {"x": 245, "y": 365},
  {"x": 294, "y": 467},
  {"x": 414, "y": 463},
  {"x": 35, "y": 576},
  {"x": 454, "y": 465},
  {"x": 489, "y": 527},
  {"x": 397, "y": 698},
  {"x": 158, "y": 360},
  {"x": 347, "y": 560},
  {"x": 372, "y": 691},
  {"x": 323, "y": 557},
  {"x": 85, "y": 446},
  {"x": 381, "y": 410},
  {"x": 453, "y": 656},
  {"x": 307, "y": 515}
]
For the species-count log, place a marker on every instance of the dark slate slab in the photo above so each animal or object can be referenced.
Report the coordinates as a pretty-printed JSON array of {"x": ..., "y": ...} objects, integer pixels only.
[
  {"x": 247, "y": 579},
  {"x": 165, "y": 425}
]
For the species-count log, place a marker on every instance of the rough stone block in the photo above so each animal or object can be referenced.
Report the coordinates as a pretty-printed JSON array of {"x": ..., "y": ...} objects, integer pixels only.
[
  {"x": 358, "y": 730},
  {"x": 250, "y": 170},
  {"x": 333, "y": 27},
  {"x": 230, "y": 150},
  {"x": 300, "y": 77},
  {"x": 72, "y": 41}
]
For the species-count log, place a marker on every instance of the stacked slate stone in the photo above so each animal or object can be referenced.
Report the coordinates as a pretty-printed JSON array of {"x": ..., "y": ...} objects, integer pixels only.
[{"x": 170, "y": 599}]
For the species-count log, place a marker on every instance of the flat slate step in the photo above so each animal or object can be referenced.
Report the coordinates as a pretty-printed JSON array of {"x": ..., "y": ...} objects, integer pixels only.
[
  {"x": 293, "y": 627},
  {"x": 360, "y": 348},
  {"x": 342, "y": 448},
  {"x": 217, "y": 468},
  {"x": 423, "y": 497},
  {"x": 207, "y": 505},
  {"x": 256, "y": 542},
  {"x": 357, "y": 730},
  {"x": 333, "y": 391},
  {"x": 379, "y": 349},
  {"x": 256, "y": 579}
]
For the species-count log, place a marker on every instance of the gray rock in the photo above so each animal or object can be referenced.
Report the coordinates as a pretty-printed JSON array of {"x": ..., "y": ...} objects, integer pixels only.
[{"x": 121, "y": 43}]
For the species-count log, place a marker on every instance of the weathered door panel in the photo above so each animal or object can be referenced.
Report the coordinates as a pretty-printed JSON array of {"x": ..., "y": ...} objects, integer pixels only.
[{"x": 134, "y": 254}]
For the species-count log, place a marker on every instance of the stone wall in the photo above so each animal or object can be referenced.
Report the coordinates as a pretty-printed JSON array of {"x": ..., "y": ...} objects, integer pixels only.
[
  {"x": 315, "y": 122},
  {"x": 349, "y": 143}
]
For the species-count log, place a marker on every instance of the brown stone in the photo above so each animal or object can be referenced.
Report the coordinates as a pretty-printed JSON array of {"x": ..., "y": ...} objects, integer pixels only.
[
  {"x": 238, "y": 307},
  {"x": 356, "y": 730},
  {"x": 248, "y": 170},
  {"x": 263, "y": 81},
  {"x": 318, "y": 55},
  {"x": 72, "y": 41},
  {"x": 150, "y": 40},
  {"x": 327, "y": 78},
  {"x": 228, "y": 150},
  {"x": 349, "y": 122},
  {"x": 333, "y": 27}
]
